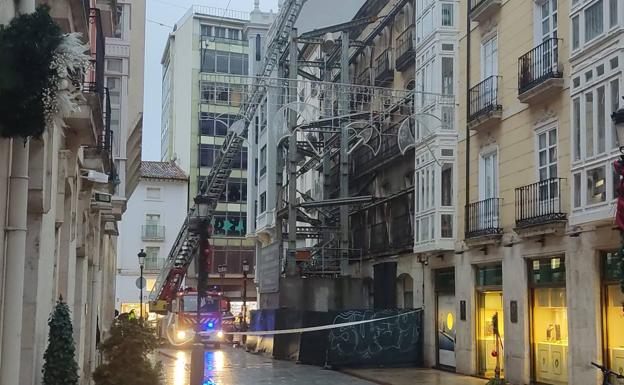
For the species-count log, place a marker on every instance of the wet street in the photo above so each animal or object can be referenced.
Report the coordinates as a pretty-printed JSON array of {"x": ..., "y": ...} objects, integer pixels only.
[{"x": 233, "y": 366}]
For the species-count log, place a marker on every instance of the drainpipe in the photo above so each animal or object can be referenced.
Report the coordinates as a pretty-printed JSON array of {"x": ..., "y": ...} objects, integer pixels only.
[
  {"x": 15, "y": 251},
  {"x": 467, "y": 177}
]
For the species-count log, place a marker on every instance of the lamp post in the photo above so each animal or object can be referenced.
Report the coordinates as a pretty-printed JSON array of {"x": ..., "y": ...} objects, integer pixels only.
[
  {"x": 141, "y": 256},
  {"x": 245, "y": 272},
  {"x": 201, "y": 224}
]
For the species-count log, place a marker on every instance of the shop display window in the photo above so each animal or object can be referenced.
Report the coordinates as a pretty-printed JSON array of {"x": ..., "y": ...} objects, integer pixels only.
[
  {"x": 613, "y": 313},
  {"x": 549, "y": 320},
  {"x": 489, "y": 303}
]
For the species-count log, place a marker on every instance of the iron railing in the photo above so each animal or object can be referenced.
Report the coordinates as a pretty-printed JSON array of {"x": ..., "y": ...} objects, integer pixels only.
[
  {"x": 538, "y": 65},
  {"x": 383, "y": 65},
  {"x": 379, "y": 237},
  {"x": 94, "y": 81},
  {"x": 153, "y": 232},
  {"x": 484, "y": 97},
  {"x": 539, "y": 203},
  {"x": 402, "y": 234},
  {"x": 363, "y": 78},
  {"x": 364, "y": 161},
  {"x": 483, "y": 218},
  {"x": 405, "y": 50},
  {"x": 105, "y": 139}
]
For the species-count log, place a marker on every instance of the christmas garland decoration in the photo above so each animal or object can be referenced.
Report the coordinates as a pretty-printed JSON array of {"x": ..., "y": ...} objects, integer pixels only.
[{"x": 40, "y": 74}]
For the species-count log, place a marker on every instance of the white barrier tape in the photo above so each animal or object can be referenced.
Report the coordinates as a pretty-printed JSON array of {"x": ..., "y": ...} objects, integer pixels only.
[{"x": 314, "y": 328}]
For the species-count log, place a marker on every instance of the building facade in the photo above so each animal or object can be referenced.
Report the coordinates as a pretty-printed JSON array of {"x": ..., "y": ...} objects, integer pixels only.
[
  {"x": 205, "y": 66},
  {"x": 155, "y": 213},
  {"x": 60, "y": 223}
]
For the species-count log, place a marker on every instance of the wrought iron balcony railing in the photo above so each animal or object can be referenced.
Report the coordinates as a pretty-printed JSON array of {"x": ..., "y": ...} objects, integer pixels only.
[
  {"x": 405, "y": 50},
  {"x": 153, "y": 232},
  {"x": 483, "y": 218},
  {"x": 94, "y": 79},
  {"x": 383, "y": 66},
  {"x": 538, "y": 65},
  {"x": 539, "y": 203},
  {"x": 105, "y": 139},
  {"x": 484, "y": 98}
]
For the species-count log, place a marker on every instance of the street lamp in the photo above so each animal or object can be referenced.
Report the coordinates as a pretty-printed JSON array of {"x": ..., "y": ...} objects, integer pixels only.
[
  {"x": 201, "y": 227},
  {"x": 245, "y": 272},
  {"x": 141, "y": 256}
]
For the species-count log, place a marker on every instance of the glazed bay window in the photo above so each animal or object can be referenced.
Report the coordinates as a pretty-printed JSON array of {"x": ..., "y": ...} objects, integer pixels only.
[{"x": 596, "y": 186}]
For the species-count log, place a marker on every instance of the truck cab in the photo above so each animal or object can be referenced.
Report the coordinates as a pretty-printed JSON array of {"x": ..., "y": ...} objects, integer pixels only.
[{"x": 184, "y": 319}]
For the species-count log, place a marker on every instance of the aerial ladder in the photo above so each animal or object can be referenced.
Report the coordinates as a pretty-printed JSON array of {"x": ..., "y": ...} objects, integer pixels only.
[{"x": 186, "y": 244}]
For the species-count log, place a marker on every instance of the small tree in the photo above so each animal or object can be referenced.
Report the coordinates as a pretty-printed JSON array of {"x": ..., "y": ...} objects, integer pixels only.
[
  {"x": 126, "y": 353},
  {"x": 60, "y": 367}
]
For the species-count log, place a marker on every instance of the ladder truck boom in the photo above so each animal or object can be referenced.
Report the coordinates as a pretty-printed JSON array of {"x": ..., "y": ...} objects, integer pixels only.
[{"x": 186, "y": 245}]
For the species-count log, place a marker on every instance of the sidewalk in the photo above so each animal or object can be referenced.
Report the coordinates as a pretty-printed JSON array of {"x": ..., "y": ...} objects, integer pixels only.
[{"x": 412, "y": 376}]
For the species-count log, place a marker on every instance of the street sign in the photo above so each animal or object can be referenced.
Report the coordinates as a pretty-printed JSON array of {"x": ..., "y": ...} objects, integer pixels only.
[{"x": 140, "y": 283}]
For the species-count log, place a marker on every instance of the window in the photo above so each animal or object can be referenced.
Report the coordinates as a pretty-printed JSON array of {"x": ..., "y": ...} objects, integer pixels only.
[
  {"x": 589, "y": 124},
  {"x": 576, "y": 35},
  {"x": 119, "y": 27},
  {"x": 593, "y": 21},
  {"x": 258, "y": 47},
  {"x": 114, "y": 65},
  {"x": 576, "y": 127},
  {"x": 207, "y": 154},
  {"x": 613, "y": 10},
  {"x": 206, "y": 30},
  {"x": 214, "y": 125},
  {"x": 236, "y": 191},
  {"x": 615, "y": 101},
  {"x": 152, "y": 193},
  {"x": 220, "y": 32},
  {"x": 224, "y": 62},
  {"x": 152, "y": 258},
  {"x": 489, "y": 56},
  {"x": 263, "y": 160},
  {"x": 448, "y": 117},
  {"x": 447, "y": 75},
  {"x": 488, "y": 183},
  {"x": 447, "y": 184},
  {"x": 600, "y": 112},
  {"x": 447, "y": 15},
  {"x": 547, "y": 154},
  {"x": 262, "y": 202},
  {"x": 596, "y": 186},
  {"x": 152, "y": 219},
  {"x": 577, "y": 190},
  {"x": 548, "y": 16},
  {"x": 447, "y": 47},
  {"x": 114, "y": 89}
]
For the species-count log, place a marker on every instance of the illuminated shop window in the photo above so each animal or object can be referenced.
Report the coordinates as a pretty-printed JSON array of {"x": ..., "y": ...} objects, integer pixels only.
[
  {"x": 489, "y": 304},
  {"x": 549, "y": 327},
  {"x": 614, "y": 312}
]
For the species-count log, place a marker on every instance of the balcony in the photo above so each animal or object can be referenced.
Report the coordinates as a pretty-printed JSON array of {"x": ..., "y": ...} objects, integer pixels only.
[
  {"x": 538, "y": 208},
  {"x": 384, "y": 71},
  {"x": 153, "y": 233},
  {"x": 484, "y": 109},
  {"x": 483, "y": 219},
  {"x": 539, "y": 72},
  {"x": 481, "y": 10},
  {"x": 364, "y": 78},
  {"x": 365, "y": 162},
  {"x": 405, "y": 51}
]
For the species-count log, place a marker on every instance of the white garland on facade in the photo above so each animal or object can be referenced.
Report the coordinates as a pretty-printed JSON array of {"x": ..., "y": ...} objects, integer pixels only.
[{"x": 69, "y": 64}]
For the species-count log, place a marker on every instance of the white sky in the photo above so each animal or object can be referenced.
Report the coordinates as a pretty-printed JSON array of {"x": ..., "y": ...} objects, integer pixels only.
[{"x": 161, "y": 16}]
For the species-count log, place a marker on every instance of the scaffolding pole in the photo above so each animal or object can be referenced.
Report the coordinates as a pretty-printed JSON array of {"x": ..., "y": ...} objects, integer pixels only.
[{"x": 344, "y": 159}]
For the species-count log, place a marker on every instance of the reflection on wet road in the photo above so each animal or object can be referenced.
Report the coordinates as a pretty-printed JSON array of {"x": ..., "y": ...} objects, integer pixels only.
[{"x": 230, "y": 366}]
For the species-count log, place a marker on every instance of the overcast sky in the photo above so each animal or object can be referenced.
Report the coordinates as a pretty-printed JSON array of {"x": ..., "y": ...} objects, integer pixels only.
[{"x": 161, "y": 16}]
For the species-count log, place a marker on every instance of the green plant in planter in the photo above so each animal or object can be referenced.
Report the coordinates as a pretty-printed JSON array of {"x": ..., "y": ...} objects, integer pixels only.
[
  {"x": 27, "y": 50},
  {"x": 126, "y": 355},
  {"x": 60, "y": 367}
]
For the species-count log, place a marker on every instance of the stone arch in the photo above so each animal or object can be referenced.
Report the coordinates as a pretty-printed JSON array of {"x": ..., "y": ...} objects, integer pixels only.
[{"x": 405, "y": 291}]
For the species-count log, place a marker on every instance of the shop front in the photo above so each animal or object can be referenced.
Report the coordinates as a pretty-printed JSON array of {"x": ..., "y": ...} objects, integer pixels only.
[
  {"x": 549, "y": 320},
  {"x": 613, "y": 312},
  {"x": 489, "y": 313},
  {"x": 445, "y": 319}
]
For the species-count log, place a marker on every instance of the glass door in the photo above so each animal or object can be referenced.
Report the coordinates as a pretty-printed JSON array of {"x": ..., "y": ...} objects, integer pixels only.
[
  {"x": 549, "y": 320},
  {"x": 445, "y": 320},
  {"x": 490, "y": 330},
  {"x": 613, "y": 310}
]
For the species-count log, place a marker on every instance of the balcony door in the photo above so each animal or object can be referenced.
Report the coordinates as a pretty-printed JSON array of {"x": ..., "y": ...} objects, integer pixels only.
[
  {"x": 152, "y": 222},
  {"x": 546, "y": 24},
  {"x": 547, "y": 170},
  {"x": 489, "y": 68},
  {"x": 488, "y": 189}
]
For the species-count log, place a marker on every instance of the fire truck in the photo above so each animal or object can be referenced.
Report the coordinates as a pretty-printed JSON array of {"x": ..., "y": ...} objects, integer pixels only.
[{"x": 179, "y": 325}]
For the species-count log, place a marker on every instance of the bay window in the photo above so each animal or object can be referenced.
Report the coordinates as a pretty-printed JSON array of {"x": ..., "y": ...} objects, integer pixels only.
[{"x": 596, "y": 185}]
